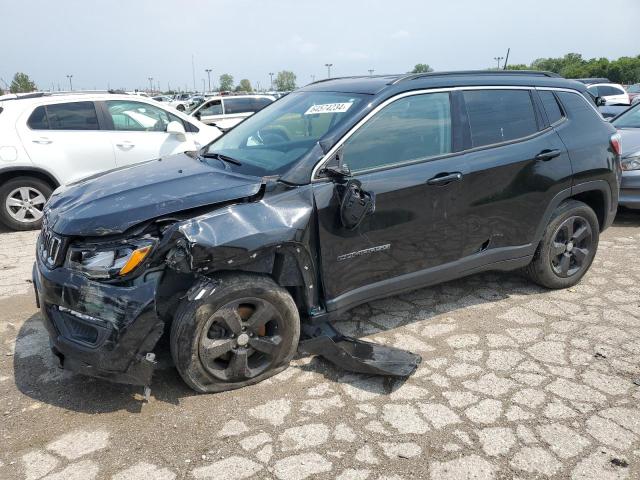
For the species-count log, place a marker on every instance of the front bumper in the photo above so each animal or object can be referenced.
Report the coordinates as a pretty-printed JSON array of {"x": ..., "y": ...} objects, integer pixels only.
[
  {"x": 630, "y": 189},
  {"x": 101, "y": 330}
]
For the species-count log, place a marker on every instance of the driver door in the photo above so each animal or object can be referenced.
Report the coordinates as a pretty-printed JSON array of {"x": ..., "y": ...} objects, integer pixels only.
[
  {"x": 138, "y": 132},
  {"x": 402, "y": 157}
]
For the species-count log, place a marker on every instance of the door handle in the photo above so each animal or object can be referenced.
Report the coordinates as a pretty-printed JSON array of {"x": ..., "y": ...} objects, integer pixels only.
[
  {"x": 548, "y": 155},
  {"x": 125, "y": 144},
  {"x": 445, "y": 178},
  {"x": 43, "y": 141}
]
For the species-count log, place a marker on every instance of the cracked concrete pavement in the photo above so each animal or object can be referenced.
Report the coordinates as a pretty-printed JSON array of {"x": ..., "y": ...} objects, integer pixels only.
[{"x": 516, "y": 382}]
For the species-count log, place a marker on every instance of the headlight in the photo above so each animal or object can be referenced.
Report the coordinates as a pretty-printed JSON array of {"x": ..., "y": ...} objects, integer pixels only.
[
  {"x": 631, "y": 162},
  {"x": 104, "y": 262}
]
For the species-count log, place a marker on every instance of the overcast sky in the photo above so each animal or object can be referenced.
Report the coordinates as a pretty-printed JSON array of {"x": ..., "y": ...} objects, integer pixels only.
[{"x": 120, "y": 43}]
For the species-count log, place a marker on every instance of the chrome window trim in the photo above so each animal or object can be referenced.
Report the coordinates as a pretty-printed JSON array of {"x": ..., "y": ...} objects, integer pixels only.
[{"x": 357, "y": 126}]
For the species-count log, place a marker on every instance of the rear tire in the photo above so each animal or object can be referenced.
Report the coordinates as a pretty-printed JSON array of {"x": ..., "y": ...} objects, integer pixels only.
[
  {"x": 568, "y": 247},
  {"x": 241, "y": 332},
  {"x": 22, "y": 200}
]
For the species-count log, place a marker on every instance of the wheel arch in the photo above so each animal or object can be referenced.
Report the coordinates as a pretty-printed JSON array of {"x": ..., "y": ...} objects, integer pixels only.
[
  {"x": 14, "y": 172},
  {"x": 596, "y": 194}
]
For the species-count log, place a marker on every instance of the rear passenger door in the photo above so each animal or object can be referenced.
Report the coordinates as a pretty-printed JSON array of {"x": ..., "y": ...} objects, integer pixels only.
[
  {"x": 66, "y": 139},
  {"x": 515, "y": 164}
]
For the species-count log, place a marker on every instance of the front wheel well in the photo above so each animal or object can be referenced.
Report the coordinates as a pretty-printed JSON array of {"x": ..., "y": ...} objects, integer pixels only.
[{"x": 595, "y": 199}]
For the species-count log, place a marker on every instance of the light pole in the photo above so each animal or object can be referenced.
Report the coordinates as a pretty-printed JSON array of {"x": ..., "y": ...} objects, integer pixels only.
[
  {"x": 313, "y": 78},
  {"x": 70, "y": 84},
  {"x": 371, "y": 70},
  {"x": 497, "y": 59},
  {"x": 150, "y": 84},
  {"x": 328, "y": 65},
  {"x": 208, "y": 70},
  {"x": 271, "y": 75},
  {"x": 203, "y": 86}
]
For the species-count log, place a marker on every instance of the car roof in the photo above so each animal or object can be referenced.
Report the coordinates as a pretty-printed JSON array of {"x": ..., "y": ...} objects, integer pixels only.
[
  {"x": 61, "y": 97},
  {"x": 605, "y": 83},
  {"x": 257, "y": 95},
  {"x": 374, "y": 85}
]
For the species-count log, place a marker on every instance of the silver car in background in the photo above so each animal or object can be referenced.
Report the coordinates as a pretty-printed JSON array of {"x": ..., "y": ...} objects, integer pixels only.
[{"x": 628, "y": 125}]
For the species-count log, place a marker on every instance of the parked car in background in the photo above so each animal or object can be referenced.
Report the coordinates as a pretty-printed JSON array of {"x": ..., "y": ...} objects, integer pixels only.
[
  {"x": 225, "y": 112},
  {"x": 342, "y": 192},
  {"x": 48, "y": 140},
  {"x": 634, "y": 92},
  {"x": 628, "y": 125},
  {"x": 611, "y": 111},
  {"x": 179, "y": 105},
  {"x": 613, "y": 93}
]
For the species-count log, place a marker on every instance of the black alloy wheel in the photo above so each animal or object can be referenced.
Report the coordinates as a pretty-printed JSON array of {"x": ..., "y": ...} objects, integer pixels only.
[
  {"x": 241, "y": 339},
  {"x": 571, "y": 246}
]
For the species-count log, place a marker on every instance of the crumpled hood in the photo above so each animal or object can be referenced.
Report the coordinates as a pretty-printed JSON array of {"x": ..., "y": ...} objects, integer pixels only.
[
  {"x": 630, "y": 140},
  {"x": 113, "y": 202}
]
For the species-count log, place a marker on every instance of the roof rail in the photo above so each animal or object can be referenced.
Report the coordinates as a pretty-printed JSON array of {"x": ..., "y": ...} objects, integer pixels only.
[
  {"x": 415, "y": 76},
  {"x": 349, "y": 77},
  {"x": 590, "y": 81},
  {"x": 21, "y": 96}
]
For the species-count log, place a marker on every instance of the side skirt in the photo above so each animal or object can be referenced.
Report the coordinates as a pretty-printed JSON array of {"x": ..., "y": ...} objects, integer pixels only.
[{"x": 509, "y": 258}]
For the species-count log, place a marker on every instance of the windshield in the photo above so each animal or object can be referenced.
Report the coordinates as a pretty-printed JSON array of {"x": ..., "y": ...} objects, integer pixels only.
[
  {"x": 628, "y": 119},
  {"x": 270, "y": 141}
]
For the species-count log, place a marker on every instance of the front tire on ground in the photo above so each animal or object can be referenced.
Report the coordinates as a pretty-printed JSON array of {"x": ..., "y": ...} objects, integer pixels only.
[
  {"x": 567, "y": 248},
  {"x": 22, "y": 201},
  {"x": 244, "y": 331}
]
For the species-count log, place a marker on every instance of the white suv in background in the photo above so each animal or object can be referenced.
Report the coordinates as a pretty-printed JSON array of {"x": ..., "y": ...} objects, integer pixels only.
[
  {"x": 227, "y": 111},
  {"x": 613, "y": 93},
  {"x": 48, "y": 140}
]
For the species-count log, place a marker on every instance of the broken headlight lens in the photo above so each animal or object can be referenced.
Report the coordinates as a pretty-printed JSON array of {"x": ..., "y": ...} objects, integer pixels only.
[{"x": 105, "y": 262}]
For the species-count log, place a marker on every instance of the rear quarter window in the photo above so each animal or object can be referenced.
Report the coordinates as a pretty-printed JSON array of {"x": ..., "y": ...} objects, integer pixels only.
[
  {"x": 38, "y": 119},
  {"x": 238, "y": 105},
  {"x": 578, "y": 109}
]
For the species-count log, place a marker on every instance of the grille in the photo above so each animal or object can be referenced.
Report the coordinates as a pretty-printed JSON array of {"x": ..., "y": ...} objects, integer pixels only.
[{"x": 52, "y": 247}]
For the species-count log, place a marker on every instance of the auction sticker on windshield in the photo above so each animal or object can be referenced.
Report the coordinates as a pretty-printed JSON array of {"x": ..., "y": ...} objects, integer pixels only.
[{"x": 329, "y": 108}]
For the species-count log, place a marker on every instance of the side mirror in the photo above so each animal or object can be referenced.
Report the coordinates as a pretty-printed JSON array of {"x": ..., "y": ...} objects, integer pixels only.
[
  {"x": 600, "y": 101},
  {"x": 177, "y": 129},
  {"x": 336, "y": 168},
  {"x": 356, "y": 204}
]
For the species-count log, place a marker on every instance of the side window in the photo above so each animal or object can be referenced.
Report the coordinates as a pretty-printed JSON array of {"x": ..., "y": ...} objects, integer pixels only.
[
  {"x": 551, "y": 106},
  {"x": 497, "y": 116},
  {"x": 593, "y": 90},
  {"x": 238, "y": 105},
  {"x": 259, "y": 103},
  {"x": 213, "y": 107},
  {"x": 412, "y": 128},
  {"x": 579, "y": 109},
  {"x": 38, "y": 119},
  {"x": 72, "y": 116},
  {"x": 606, "y": 90},
  {"x": 139, "y": 116}
]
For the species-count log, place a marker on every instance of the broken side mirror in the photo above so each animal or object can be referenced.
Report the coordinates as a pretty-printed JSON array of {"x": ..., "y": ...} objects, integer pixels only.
[
  {"x": 336, "y": 168},
  {"x": 355, "y": 204}
]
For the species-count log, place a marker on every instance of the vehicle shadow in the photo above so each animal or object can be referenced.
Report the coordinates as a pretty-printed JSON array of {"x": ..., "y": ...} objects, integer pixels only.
[{"x": 37, "y": 375}]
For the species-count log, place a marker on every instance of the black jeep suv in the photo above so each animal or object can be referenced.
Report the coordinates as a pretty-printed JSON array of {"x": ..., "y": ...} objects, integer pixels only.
[{"x": 344, "y": 191}]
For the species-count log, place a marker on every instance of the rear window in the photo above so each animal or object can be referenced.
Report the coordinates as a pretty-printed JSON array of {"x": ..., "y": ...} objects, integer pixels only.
[
  {"x": 497, "y": 116},
  {"x": 260, "y": 103},
  {"x": 607, "y": 90},
  {"x": 72, "y": 116},
  {"x": 38, "y": 119},
  {"x": 239, "y": 105},
  {"x": 554, "y": 113}
]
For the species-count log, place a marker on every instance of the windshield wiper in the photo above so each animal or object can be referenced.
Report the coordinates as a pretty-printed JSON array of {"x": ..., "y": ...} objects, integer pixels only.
[{"x": 224, "y": 158}]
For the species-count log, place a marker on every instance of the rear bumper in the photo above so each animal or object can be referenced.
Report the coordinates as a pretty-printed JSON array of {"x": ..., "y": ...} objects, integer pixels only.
[
  {"x": 96, "y": 329},
  {"x": 630, "y": 189}
]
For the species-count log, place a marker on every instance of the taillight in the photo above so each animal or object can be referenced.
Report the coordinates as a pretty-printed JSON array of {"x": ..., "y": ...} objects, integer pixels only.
[{"x": 615, "y": 143}]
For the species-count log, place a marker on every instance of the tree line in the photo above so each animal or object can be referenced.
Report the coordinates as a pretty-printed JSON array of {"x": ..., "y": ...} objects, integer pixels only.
[{"x": 624, "y": 70}]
